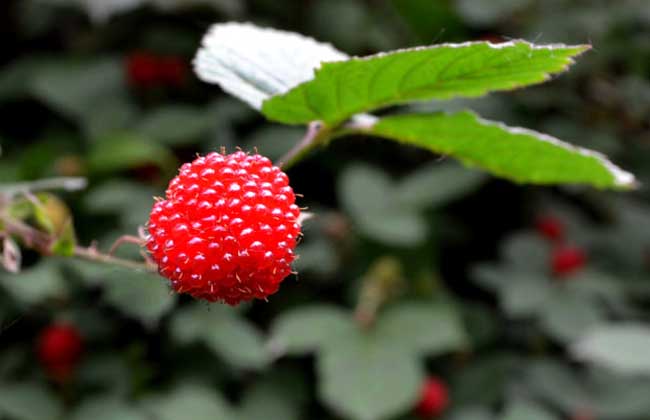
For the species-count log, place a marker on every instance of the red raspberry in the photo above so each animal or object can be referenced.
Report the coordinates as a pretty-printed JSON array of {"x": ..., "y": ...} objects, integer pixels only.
[
  {"x": 434, "y": 398},
  {"x": 142, "y": 69},
  {"x": 227, "y": 230},
  {"x": 59, "y": 348},
  {"x": 567, "y": 260},
  {"x": 550, "y": 227}
]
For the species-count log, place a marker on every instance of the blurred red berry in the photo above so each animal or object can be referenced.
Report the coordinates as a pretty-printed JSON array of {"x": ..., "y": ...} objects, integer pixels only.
[
  {"x": 583, "y": 414},
  {"x": 550, "y": 227},
  {"x": 59, "y": 349},
  {"x": 227, "y": 228},
  {"x": 142, "y": 70},
  {"x": 566, "y": 260},
  {"x": 172, "y": 71},
  {"x": 434, "y": 398}
]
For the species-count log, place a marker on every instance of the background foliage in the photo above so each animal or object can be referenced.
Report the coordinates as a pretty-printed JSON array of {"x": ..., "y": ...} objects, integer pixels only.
[{"x": 467, "y": 287}]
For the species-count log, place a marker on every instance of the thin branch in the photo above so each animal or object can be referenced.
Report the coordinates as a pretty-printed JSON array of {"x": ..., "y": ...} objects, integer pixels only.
[
  {"x": 315, "y": 134},
  {"x": 93, "y": 254},
  {"x": 42, "y": 243},
  {"x": 59, "y": 183}
]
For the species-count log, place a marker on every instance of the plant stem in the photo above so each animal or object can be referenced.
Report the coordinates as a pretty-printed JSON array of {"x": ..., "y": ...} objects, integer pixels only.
[
  {"x": 42, "y": 243},
  {"x": 316, "y": 133}
]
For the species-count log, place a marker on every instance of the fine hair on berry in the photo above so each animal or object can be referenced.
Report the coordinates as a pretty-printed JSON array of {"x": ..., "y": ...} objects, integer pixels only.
[{"x": 227, "y": 229}]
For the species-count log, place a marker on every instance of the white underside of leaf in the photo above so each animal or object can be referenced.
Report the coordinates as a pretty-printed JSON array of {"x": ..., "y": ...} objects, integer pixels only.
[{"x": 254, "y": 63}]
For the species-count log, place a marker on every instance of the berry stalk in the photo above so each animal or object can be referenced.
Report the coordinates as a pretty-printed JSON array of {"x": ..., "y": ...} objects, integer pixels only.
[{"x": 42, "y": 243}]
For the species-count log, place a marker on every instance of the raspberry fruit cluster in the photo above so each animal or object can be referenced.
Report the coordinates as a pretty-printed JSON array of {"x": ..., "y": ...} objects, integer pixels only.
[
  {"x": 59, "y": 348},
  {"x": 227, "y": 228}
]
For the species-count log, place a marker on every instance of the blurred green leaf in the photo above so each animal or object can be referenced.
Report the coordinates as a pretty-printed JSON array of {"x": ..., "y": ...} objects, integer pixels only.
[
  {"x": 17, "y": 77},
  {"x": 144, "y": 296},
  {"x": 367, "y": 378},
  {"x": 318, "y": 256},
  {"x": 192, "y": 401},
  {"x": 366, "y": 193},
  {"x": 106, "y": 408},
  {"x": 520, "y": 410},
  {"x": 36, "y": 284},
  {"x": 485, "y": 380},
  {"x": 224, "y": 331},
  {"x": 558, "y": 384},
  {"x": 427, "y": 328},
  {"x": 28, "y": 401},
  {"x": 176, "y": 124},
  {"x": 121, "y": 151},
  {"x": 527, "y": 251},
  {"x": 621, "y": 397},
  {"x": 517, "y": 154},
  {"x": 108, "y": 372},
  {"x": 622, "y": 347},
  {"x": 437, "y": 184},
  {"x": 130, "y": 200},
  {"x": 268, "y": 401},
  {"x": 342, "y": 89},
  {"x": 566, "y": 315},
  {"x": 309, "y": 328},
  {"x": 84, "y": 89},
  {"x": 471, "y": 413}
]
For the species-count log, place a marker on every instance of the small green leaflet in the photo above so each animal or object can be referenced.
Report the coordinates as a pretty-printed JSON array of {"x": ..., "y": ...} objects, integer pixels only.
[
  {"x": 344, "y": 88},
  {"x": 518, "y": 154}
]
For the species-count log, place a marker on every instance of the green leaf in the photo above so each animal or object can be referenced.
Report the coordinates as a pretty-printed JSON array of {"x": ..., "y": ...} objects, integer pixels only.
[
  {"x": 366, "y": 194},
  {"x": 342, "y": 89},
  {"x": 224, "y": 331},
  {"x": 472, "y": 413},
  {"x": 524, "y": 293},
  {"x": 81, "y": 89},
  {"x": 141, "y": 295},
  {"x": 191, "y": 401},
  {"x": 130, "y": 200},
  {"x": 254, "y": 63},
  {"x": 437, "y": 184},
  {"x": 34, "y": 285},
  {"x": 176, "y": 124},
  {"x": 269, "y": 400},
  {"x": 558, "y": 384},
  {"x": 567, "y": 315},
  {"x": 426, "y": 328},
  {"x": 28, "y": 401},
  {"x": 520, "y": 410},
  {"x": 106, "y": 408},
  {"x": 309, "y": 328},
  {"x": 517, "y": 154},
  {"x": 527, "y": 251},
  {"x": 622, "y": 347},
  {"x": 483, "y": 381},
  {"x": 121, "y": 151},
  {"x": 366, "y": 378}
]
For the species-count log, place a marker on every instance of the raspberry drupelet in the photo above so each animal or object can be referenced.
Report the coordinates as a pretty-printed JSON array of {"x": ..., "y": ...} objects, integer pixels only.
[{"x": 227, "y": 229}]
